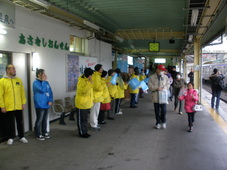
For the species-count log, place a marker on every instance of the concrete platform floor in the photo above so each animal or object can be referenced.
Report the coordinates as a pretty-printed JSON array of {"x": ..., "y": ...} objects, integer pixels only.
[{"x": 128, "y": 143}]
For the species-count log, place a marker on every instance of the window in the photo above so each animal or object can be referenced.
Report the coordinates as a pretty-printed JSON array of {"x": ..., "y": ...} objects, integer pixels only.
[
  {"x": 130, "y": 60},
  {"x": 160, "y": 60},
  {"x": 77, "y": 45},
  {"x": 5, "y": 58}
]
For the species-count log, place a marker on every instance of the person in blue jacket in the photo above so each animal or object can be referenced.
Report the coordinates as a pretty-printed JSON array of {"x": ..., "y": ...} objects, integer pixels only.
[{"x": 43, "y": 98}]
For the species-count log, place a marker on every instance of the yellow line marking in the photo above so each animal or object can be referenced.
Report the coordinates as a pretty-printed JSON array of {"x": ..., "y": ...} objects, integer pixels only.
[{"x": 220, "y": 121}]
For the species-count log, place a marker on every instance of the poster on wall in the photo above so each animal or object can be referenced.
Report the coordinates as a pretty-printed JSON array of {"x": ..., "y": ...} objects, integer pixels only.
[
  {"x": 73, "y": 71},
  {"x": 138, "y": 62},
  {"x": 122, "y": 63},
  {"x": 85, "y": 62},
  {"x": 75, "y": 66}
]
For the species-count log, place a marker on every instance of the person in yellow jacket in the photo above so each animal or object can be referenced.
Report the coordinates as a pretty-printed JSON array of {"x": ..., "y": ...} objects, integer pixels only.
[
  {"x": 84, "y": 101},
  {"x": 121, "y": 87},
  {"x": 113, "y": 92},
  {"x": 98, "y": 97},
  {"x": 142, "y": 77},
  {"x": 105, "y": 104},
  {"x": 12, "y": 102},
  {"x": 134, "y": 93}
]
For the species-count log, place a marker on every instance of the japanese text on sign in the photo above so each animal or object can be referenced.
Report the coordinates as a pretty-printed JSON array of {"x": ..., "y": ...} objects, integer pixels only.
[{"x": 41, "y": 42}]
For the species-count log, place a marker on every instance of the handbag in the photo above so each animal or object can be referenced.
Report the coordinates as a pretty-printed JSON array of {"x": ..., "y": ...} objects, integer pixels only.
[
  {"x": 163, "y": 97},
  {"x": 198, "y": 108}
]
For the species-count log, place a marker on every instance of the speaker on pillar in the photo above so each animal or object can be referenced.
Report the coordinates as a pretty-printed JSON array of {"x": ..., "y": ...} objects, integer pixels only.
[{"x": 171, "y": 41}]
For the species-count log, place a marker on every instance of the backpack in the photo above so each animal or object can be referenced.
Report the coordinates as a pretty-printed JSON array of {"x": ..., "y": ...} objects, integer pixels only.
[{"x": 221, "y": 84}]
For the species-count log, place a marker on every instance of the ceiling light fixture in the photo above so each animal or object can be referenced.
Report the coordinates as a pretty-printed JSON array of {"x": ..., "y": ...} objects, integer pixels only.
[
  {"x": 190, "y": 38},
  {"x": 119, "y": 38},
  {"x": 96, "y": 27},
  {"x": 194, "y": 17},
  {"x": 3, "y": 32},
  {"x": 41, "y": 3}
]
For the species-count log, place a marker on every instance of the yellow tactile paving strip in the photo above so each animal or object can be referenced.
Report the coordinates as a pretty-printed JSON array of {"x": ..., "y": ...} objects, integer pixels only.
[{"x": 220, "y": 121}]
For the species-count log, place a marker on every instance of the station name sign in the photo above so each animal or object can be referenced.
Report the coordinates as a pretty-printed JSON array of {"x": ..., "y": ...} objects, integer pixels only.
[{"x": 42, "y": 42}]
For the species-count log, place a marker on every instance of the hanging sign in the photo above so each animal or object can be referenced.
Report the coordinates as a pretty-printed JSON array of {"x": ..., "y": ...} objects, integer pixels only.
[{"x": 7, "y": 14}]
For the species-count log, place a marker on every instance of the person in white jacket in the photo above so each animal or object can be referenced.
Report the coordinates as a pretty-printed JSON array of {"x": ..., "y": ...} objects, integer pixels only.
[{"x": 159, "y": 83}]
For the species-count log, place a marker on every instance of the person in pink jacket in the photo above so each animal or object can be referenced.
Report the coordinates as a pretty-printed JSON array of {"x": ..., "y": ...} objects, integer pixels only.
[{"x": 191, "y": 97}]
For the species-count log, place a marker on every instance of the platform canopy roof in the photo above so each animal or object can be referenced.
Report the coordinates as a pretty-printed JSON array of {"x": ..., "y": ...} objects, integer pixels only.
[{"x": 131, "y": 24}]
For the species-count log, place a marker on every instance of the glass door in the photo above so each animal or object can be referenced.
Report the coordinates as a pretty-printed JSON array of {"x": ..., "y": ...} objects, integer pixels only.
[{"x": 5, "y": 58}]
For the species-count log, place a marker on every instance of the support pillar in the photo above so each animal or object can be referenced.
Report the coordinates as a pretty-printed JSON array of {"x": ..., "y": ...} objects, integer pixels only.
[
  {"x": 185, "y": 67},
  {"x": 115, "y": 60},
  {"x": 197, "y": 65}
]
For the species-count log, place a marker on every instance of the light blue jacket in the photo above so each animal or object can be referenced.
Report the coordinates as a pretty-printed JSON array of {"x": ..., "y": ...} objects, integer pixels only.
[{"x": 42, "y": 94}]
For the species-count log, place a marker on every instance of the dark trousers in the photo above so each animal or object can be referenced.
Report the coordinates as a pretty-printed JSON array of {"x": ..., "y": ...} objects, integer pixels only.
[
  {"x": 118, "y": 105},
  {"x": 160, "y": 118},
  {"x": 215, "y": 93},
  {"x": 111, "y": 112},
  {"x": 81, "y": 115},
  {"x": 133, "y": 99},
  {"x": 137, "y": 98},
  {"x": 171, "y": 92},
  {"x": 191, "y": 119},
  {"x": 101, "y": 117},
  {"x": 141, "y": 93},
  {"x": 41, "y": 121},
  {"x": 10, "y": 126},
  {"x": 176, "y": 101}
]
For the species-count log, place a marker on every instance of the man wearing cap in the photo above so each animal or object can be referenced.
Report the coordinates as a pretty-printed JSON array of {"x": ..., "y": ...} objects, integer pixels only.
[{"x": 158, "y": 83}]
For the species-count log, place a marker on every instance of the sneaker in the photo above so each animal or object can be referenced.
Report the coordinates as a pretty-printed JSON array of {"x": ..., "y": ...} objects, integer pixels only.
[
  {"x": 85, "y": 136},
  {"x": 164, "y": 125},
  {"x": 40, "y": 137},
  {"x": 103, "y": 122},
  {"x": 180, "y": 113},
  {"x": 120, "y": 113},
  {"x": 95, "y": 129},
  {"x": 46, "y": 136},
  {"x": 10, "y": 142},
  {"x": 24, "y": 140},
  {"x": 190, "y": 129},
  {"x": 158, "y": 126},
  {"x": 133, "y": 106}
]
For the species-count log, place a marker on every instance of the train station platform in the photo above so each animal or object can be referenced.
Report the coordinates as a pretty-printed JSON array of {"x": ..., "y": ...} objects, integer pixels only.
[{"x": 128, "y": 143}]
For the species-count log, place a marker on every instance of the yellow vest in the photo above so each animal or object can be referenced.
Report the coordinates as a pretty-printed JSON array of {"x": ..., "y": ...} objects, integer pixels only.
[
  {"x": 12, "y": 95},
  {"x": 106, "y": 94},
  {"x": 142, "y": 77},
  {"x": 112, "y": 88},
  {"x": 130, "y": 89},
  {"x": 98, "y": 87},
  {"x": 84, "y": 93},
  {"x": 121, "y": 91}
]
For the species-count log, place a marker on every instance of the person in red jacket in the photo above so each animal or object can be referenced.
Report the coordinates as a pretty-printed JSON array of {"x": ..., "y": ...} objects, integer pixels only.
[{"x": 191, "y": 97}]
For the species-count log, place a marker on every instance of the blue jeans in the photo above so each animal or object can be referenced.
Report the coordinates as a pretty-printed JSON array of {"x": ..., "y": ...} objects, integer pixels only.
[
  {"x": 133, "y": 99},
  {"x": 215, "y": 93},
  {"x": 160, "y": 118},
  {"x": 41, "y": 121}
]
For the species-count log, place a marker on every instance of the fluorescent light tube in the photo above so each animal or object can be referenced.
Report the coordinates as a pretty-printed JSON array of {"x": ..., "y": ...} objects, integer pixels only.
[
  {"x": 194, "y": 17},
  {"x": 41, "y": 3},
  {"x": 96, "y": 27}
]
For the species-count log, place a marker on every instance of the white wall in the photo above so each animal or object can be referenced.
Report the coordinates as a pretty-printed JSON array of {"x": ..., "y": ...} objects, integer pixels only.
[
  {"x": 101, "y": 50},
  {"x": 52, "y": 60},
  {"x": 19, "y": 60}
]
